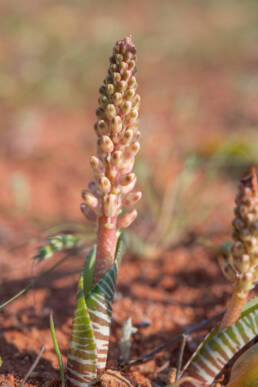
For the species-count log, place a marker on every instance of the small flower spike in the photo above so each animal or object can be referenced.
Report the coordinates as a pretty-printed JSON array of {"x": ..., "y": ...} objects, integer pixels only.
[
  {"x": 242, "y": 269},
  {"x": 117, "y": 146}
]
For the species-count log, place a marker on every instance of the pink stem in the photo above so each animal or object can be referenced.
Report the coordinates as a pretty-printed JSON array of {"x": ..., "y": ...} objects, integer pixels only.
[{"x": 106, "y": 247}]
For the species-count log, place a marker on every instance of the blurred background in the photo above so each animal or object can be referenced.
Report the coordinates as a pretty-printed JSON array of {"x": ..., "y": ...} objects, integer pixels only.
[{"x": 198, "y": 79}]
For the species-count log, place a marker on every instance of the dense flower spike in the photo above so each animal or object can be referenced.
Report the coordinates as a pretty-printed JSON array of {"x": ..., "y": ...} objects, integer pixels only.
[
  {"x": 117, "y": 146},
  {"x": 242, "y": 268}
]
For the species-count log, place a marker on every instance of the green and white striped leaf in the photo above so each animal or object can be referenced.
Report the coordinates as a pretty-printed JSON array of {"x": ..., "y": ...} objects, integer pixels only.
[
  {"x": 56, "y": 243},
  {"x": 91, "y": 324},
  {"x": 219, "y": 348}
]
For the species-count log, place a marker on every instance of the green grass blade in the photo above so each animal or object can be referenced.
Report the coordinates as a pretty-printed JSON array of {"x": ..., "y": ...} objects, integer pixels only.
[
  {"x": 56, "y": 346},
  {"x": 57, "y": 243},
  {"x": 88, "y": 270}
]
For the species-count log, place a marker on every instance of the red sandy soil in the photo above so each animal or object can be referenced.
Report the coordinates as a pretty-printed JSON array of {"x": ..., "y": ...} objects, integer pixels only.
[{"x": 162, "y": 296}]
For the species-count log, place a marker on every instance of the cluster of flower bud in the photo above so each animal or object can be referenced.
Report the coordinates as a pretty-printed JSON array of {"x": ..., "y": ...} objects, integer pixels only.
[
  {"x": 118, "y": 141},
  {"x": 242, "y": 269}
]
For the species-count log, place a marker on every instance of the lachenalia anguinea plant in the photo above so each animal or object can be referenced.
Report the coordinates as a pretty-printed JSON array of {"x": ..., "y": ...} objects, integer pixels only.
[
  {"x": 239, "y": 324},
  {"x": 104, "y": 201}
]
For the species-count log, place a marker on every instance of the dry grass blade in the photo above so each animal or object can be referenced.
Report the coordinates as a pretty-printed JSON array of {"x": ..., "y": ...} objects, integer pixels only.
[
  {"x": 180, "y": 357},
  {"x": 188, "y": 331},
  {"x": 34, "y": 365}
]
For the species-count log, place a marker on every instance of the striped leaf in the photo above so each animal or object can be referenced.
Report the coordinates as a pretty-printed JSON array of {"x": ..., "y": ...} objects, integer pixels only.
[
  {"x": 218, "y": 348},
  {"x": 56, "y": 243},
  {"x": 91, "y": 324}
]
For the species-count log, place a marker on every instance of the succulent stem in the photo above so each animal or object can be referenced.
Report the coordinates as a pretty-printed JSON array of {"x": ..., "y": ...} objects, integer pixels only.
[
  {"x": 106, "y": 245},
  {"x": 233, "y": 310}
]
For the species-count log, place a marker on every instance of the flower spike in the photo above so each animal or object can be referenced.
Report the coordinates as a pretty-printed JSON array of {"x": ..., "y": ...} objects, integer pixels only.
[
  {"x": 244, "y": 251},
  {"x": 117, "y": 146}
]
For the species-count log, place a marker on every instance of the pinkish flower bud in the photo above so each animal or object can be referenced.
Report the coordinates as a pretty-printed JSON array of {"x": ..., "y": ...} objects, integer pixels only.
[
  {"x": 132, "y": 84},
  {"x": 116, "y": 157},
  {"x": 105, "y": 144},
  {"x": 117, "y": 99},
  {"x": 116, "y": 124},
  {"x": 110, "y": 89},
  {"x": 125, "y": 189},
  {"x": 121, "y": 86},
  {"x": 100, "y": 113},
  {"x": 103, "y": 101},
  {"x": 110, "y": 205},
  {"x": 102, "y": 90},
  {"x": 135, "y": 147},
  {"x": 89, "y": 199},
  {"x": 242, "y": 263},
  {"x": 104, "y": 184},
  {"x": 132, "y": 150},
  {"x": 127, "y": 137},
  {"x": 88, "y": 212},
  {"x": 126, "y": 107},
  {"x": 127, "y": 179},
  {"x": 110, "y": 111},
  {"x": 93, "y": 188},
  {"x": 129, "y": 94},
  {"x": 131, "y": 65},
  {"x": 132, "y": 198},
  {"x": 102, "y": 128},
  {"x": 127, "y": 166},
  {"x": 97, "y": 165},
  {"x": 116, "y": 77},
  {"x": 133, "y": 115},
  {"x": 137, "y": 100},
  {"x": 127, "y": 219},
  {"x": 123, "y": 66},
  {"x": 126, "y": 75}
]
